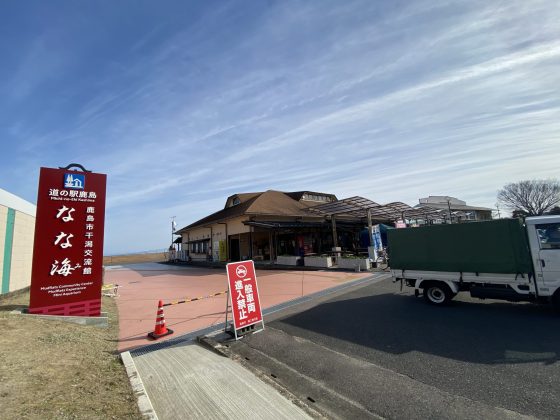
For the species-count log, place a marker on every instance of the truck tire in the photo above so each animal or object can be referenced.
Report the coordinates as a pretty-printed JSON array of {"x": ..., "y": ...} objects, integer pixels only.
[
  {"x": 556, "y": 301},
  {"x": 437, "y": 293}
]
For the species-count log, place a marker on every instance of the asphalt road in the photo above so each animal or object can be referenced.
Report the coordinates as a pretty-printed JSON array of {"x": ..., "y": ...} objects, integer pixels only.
[{"x": 376, "y": 351}]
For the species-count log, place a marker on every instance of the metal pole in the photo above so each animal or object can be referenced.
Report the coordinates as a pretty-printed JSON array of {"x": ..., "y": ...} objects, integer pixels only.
[
  {"x": 333, "y": 223},
  {"x": 227, "y": 244},
  {"x": 250, "y": 242},
  {"x": 211, "y": 243},
  {"x": 373, "y": 254},
  {"x": 369, "y": 225},
  {"x": 227, "y": 308},
  {"x": 276, "y": 244},
  {"x": 270, "y": 247}
]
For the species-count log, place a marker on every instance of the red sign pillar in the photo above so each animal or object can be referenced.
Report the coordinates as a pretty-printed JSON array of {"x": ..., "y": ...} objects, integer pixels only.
[
  {"x": 244, "y": 294},
  {"x": 67, "y": 272}
]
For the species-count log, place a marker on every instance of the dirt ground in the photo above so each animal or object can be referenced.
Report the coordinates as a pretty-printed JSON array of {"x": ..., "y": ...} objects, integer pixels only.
[
  {"x": 58, "y": 370},
  {"x": 134, "y": 258}
]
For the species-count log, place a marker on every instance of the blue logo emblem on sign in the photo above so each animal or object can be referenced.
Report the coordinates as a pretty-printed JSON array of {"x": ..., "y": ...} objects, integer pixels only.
[{"x": 74, "y": 181}]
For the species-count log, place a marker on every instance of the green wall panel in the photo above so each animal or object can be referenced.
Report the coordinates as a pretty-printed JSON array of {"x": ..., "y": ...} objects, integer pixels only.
[{"x": 8, "y": 245}]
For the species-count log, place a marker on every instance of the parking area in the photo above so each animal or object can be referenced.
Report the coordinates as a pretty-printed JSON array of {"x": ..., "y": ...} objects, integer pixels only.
[
  {"x": 378, "y": 351},
  {"x": 141, "y": 286}
]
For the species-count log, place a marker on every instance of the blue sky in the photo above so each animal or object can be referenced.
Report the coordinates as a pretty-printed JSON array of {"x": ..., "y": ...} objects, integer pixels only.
[{"x": 185, "y": 103}]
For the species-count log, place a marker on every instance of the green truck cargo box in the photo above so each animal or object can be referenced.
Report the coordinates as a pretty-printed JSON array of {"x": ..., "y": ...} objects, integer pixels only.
[{"x": 497, "y": 246}]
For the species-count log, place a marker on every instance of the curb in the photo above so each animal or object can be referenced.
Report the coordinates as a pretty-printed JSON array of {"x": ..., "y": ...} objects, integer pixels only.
[
  {"x": 144, "y": 403},
  {"x": 210, "y": 343}
]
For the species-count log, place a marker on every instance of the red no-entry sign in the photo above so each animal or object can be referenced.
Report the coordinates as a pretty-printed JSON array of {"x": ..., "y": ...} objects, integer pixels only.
[
  {"x": 67, "y": 275},
  {"x": 244, "y": 294}
]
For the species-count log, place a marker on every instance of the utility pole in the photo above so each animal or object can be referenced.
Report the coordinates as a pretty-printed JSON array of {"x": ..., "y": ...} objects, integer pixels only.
[
  {"x": 172, "y": 228},
  {"x": 498, "y": 209},
  {"x": 449, "y": 208}
]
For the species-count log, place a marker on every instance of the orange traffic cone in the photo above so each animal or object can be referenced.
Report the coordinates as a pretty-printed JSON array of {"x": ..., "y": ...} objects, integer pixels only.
[{"x": 160, "y": 330}]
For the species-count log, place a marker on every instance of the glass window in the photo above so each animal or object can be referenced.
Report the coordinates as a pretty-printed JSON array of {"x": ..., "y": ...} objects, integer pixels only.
[{"x": 549, "y": 235}]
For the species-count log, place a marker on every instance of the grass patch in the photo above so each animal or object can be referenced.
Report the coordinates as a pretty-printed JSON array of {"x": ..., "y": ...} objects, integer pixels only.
[{"x": 58, "y": 370}]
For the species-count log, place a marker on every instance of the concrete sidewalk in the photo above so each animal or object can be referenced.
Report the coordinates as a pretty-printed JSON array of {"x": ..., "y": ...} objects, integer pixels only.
[{"x": 189, "y": 381}]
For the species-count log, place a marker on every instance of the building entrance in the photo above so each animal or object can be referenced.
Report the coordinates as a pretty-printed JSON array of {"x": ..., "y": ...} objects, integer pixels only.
[{"x": 234, "y": 254}]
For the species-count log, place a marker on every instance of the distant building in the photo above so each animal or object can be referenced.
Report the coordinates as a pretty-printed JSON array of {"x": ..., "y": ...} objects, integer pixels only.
[
  {"x": 457, "y": 210},
  {"x": 17, "y": 229}
]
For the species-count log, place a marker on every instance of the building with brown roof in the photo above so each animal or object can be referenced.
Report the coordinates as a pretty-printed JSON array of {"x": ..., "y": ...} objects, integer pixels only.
[{"x": 263, "y": 225}]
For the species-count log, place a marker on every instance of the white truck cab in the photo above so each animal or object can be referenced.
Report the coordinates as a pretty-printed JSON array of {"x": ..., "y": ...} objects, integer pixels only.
[{"x": 544, "y": 239}]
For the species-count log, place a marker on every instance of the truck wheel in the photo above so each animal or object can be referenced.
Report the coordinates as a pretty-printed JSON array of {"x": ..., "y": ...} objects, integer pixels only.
[
  {"x": 556, "y": 301},
  {"x": 437, "y": 293}
]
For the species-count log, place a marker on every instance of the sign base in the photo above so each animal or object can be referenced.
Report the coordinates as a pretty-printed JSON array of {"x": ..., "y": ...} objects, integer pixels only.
[
  {"x": 250, "y": 329},
  {"x": 84, "y": 308}
]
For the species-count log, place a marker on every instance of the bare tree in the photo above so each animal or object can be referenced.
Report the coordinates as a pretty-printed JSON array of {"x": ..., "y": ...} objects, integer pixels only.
[{"x": 532, "y": 198}]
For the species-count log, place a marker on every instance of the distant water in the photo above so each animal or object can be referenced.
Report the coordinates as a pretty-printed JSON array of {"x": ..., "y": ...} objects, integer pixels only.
[{"x": 151, "y": 251}]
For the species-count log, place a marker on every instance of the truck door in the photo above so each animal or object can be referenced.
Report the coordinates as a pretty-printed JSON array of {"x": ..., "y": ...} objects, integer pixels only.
[{"x": 549, "y": 252}]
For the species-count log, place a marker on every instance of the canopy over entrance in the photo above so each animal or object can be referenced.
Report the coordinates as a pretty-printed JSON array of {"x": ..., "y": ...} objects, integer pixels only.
[
  {"x": 360, "y": 207},
  {"x": 363, "y": 208}
]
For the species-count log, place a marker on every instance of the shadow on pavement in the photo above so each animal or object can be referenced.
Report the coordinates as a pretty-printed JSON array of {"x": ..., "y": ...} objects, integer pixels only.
[{"x": 479, "y": 332}]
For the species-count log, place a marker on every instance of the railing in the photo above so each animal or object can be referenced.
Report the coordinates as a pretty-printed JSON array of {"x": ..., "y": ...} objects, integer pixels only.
[{"x": 176, "y": 255}]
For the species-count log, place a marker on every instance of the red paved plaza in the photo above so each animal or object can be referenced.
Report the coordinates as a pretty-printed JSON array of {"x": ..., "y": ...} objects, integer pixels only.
[{"x": 141, "y": 286}]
